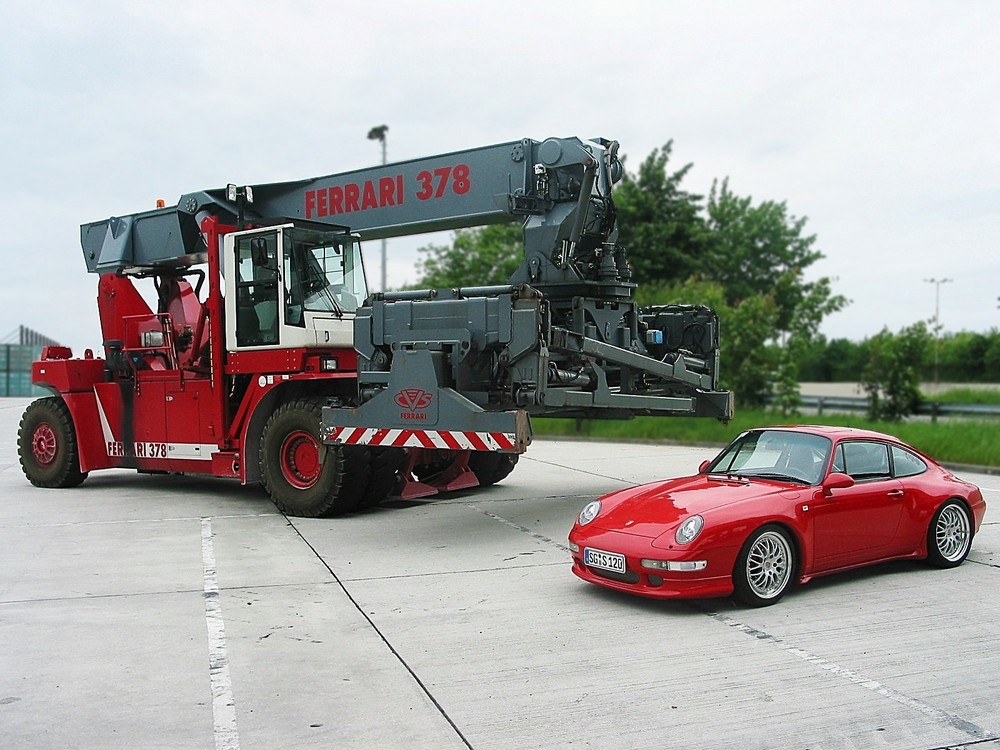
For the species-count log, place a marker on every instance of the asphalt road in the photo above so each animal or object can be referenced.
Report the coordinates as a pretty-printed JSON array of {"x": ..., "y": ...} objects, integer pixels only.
[{"x": 177, "y": 612}]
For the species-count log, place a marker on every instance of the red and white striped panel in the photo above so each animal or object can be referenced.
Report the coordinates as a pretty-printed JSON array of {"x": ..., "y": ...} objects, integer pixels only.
[{"x": 447, "y": 439}]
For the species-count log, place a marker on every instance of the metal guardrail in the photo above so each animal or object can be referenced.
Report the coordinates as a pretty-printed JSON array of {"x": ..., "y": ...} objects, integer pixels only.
[{"x": 932, "y": 409}]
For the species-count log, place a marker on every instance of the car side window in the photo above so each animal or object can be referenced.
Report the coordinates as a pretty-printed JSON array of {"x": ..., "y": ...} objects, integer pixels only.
[
  {"x": 906, "y": 464},
  {"x": 838, "y": 460},
  {"x": 863, "y": 460}
]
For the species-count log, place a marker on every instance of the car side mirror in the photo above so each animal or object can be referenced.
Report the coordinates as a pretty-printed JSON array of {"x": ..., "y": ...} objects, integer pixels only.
[
  {"x": 836, "y": 481},
  {"x": 703, "y": 465}
]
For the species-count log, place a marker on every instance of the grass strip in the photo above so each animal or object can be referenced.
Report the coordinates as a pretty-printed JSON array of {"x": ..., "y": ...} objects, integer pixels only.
[{"x": 964, "y": 441}]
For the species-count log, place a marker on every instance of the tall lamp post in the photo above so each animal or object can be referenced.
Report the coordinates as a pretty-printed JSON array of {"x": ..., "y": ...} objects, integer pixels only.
[
  {"x": 937, "y": 320},
  {"x": 378, "y": 134}
]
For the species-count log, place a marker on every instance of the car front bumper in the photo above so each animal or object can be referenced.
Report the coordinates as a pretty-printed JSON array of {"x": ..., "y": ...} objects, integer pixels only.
[{"x": 715, "y": 580}]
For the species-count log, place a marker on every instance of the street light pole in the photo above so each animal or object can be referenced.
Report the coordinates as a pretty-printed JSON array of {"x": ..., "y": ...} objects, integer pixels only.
[
  {"x": 937, "y": 320},
  {"x": 378, "y": 134}
]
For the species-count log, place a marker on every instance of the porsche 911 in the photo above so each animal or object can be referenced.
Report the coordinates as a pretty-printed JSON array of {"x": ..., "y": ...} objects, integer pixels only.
[{"x": 778, "y": 506}]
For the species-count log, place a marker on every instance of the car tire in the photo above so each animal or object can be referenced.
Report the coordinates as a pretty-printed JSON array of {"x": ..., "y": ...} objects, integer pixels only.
[
  {"x": 765, "y": 568},
  {"x": 949, "y": 536}
]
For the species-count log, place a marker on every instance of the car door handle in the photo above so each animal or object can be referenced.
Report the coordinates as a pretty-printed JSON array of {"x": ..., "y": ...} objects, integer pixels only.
[{"x": 895, "y": 493}]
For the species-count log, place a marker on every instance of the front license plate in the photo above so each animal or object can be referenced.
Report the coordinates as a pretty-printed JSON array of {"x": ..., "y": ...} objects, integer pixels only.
[{"x": 597, "y": 558}]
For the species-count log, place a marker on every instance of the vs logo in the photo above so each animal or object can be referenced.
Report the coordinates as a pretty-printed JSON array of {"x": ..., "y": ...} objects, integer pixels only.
[{"x": 413, "y": 398}]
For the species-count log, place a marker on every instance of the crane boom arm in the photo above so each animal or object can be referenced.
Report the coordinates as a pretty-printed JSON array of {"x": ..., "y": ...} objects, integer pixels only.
[{"x": 487, "y": 185}]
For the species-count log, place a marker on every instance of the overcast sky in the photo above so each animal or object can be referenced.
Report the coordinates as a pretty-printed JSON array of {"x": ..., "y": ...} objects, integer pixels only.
[{"x": 877, "y": 121}]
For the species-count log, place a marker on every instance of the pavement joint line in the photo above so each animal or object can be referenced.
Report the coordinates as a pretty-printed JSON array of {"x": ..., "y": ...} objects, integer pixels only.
[
  {"x": 169, "y": 592},
  {"x": 470, "y": 571},
  {"x": 966, "y": 745},
  {"x": 939, "y": 715},
  {"x": 983, "y": 563},
  {"x": 524, "y": 529},
  {"x": 576, "y": 470},
  {"x": 385, "y": 640},
  {"x": 434, "y": 499},
  {"x": 112, "y": 522},
  {"x": 223, "y": 704}
]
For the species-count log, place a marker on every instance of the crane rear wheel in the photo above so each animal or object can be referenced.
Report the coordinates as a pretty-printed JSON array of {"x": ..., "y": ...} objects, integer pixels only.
[{"x": 47, "y": 446}]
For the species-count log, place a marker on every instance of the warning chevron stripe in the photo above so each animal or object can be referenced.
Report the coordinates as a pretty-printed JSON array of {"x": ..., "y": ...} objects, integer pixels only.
[{"x": 446, "y": 439}]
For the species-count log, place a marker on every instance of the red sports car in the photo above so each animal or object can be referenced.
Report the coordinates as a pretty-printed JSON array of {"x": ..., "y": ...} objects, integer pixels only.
[{"x": 778, "y": 505}]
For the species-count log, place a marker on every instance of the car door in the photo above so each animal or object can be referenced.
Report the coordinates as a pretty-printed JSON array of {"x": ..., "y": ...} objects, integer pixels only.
[{"x": 858, "y": 524}]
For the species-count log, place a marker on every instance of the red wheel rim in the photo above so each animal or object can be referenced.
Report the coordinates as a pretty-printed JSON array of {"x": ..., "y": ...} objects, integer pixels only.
[
  {"x": 43, "y": 444},
  {"x": 300, "y": 459}
]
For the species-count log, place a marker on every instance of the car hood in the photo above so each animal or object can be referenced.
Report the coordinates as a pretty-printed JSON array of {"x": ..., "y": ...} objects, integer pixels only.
[{"x": 651, "y": 509}]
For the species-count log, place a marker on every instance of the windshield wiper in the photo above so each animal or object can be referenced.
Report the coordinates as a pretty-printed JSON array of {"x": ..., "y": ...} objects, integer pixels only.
[
  {"x": 333, "y": 300},
  {"x": 729, "y": 476},
  {"x": 777, "y": 475}
]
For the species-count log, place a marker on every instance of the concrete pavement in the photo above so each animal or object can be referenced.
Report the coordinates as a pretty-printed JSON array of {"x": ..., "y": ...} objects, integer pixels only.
[{"x": 179, "y": 612}]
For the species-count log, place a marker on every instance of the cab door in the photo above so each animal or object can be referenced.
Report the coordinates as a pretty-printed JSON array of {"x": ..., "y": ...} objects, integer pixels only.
[{"x": 252, "y": 309}]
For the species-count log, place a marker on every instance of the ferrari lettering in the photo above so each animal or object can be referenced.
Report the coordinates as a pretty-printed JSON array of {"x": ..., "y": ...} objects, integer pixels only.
[
  {"x": 354, "y": 196},
  {"x": 116, "y": 449}
]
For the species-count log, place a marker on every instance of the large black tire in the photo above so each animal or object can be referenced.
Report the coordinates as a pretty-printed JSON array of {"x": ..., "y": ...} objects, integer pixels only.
[
  {"x": 303, "y": 476},
  {"x": 765, "y": 568},
  {"x": 491, "y": 467},
  {"x": 949, "y": 536},
  {"x": 46, "y": 445},
  {"x": 383, "y": 476}
]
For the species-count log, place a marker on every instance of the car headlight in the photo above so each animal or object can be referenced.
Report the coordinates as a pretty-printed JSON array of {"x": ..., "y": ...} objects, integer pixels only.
[
  {"x": 589, "y": 513},
  {"x": 688, "y": 531}
]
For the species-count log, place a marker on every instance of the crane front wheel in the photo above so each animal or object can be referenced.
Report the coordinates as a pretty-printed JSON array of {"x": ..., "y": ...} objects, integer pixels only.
[{"x": 303, "y": 476}]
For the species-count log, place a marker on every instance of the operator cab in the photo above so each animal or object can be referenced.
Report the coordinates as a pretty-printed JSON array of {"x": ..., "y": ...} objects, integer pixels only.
[{"x": 290, "y": 287}]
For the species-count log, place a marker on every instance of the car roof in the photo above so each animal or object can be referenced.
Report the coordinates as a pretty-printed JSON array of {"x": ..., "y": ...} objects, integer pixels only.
[{"x": 834, "y": 432}]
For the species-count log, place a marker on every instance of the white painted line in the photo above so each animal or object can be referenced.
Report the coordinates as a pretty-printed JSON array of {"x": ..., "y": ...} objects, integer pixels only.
[{"x": 223, "y": 706}]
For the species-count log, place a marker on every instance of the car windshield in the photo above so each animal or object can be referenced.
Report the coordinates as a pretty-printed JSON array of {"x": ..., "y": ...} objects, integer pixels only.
[{"x": 783, "y": 455}]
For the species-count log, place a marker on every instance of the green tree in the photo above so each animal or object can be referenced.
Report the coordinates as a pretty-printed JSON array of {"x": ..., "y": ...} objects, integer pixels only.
[
  {"x": 761, "y": 249},
  {"x": 962, "y": 356},
  {"x": 478, "y": 257},
  {"x": 660, "y": 225},
  {"x": 991, "y": 358},
  {"x": 831, "y": 361},
  {"x": 891, "y": 377}
]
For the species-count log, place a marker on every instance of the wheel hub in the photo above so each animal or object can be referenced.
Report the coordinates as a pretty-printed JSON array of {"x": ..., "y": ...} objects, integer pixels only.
[
  {"x": 952, "y": 533},
  {"x": 767, "y": 565},
  {"x": 43, "y": 444},
  {"x": 300, "y": 459}
]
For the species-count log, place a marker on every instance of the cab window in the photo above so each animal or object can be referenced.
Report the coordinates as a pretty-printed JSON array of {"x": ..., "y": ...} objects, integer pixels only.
[{"x": 257, "y": 290}]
